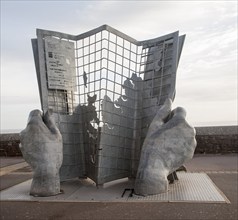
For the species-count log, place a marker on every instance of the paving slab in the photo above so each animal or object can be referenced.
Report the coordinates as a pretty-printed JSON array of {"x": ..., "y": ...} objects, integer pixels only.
[
  {"x": 13, "y": 179},
  {"x": 7, "y": 161},
  {"x": 213, "y": 162},
  {"x": 11, "y": 210},
  {"x": 191, "y": 187}
]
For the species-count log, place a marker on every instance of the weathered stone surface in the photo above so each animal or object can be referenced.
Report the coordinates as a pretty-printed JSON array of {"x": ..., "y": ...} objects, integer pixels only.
[
  {"x": 41, "y": 146},
  {"x": 170, "y": 142}
]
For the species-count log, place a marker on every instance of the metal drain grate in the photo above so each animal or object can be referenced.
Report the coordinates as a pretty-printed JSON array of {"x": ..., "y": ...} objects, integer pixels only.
[{"x": 191, "y": 187}]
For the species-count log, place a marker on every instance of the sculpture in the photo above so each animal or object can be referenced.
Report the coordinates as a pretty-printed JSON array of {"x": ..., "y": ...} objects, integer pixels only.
[
  {"x": 42, "y": 148},
  {"x": 105, "y": 88},
  {"x": 170, "y": 142}
]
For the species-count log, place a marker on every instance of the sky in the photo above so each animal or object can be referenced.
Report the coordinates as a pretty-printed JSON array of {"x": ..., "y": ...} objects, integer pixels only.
[{"x": 206, "y": 77}]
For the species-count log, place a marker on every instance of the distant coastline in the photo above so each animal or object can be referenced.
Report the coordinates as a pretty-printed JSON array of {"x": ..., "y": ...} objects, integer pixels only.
[{"x": 10, "y": 131}]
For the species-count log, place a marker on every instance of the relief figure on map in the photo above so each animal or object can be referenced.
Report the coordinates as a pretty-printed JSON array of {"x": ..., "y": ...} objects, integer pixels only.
[
  {"x": 89, "y": 116},
  {"x": 124, "y": 106}
]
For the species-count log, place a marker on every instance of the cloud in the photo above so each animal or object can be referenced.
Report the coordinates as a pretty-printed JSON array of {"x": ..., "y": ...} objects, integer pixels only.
[
  {"x": 13, "y": 100},
  {"x": 214, "y": 113},
  {"x": 18, "y": 77},
  {"x": 207, "y": 74}
]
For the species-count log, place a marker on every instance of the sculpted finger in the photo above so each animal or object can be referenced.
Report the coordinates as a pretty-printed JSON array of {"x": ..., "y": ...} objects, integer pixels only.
[
  {"x": 161, "y": 116},
  {"x": 35, "y": 124},
  {"x": 50, "y": 122},
  {"x": 164, "y": 111}
]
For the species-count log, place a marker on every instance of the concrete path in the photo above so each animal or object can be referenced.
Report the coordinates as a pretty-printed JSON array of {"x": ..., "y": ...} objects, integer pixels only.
[
  {"x": 11, "y": 168},
  {"x": 7, "y": 161},
  {"x": 222, "y": 169},
  {"x": 208, "y": 162},
  {"x": 14, "y": 170}
]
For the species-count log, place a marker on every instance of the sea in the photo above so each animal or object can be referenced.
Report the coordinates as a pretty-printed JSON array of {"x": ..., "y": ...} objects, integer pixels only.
[{"x": 10, "y": 131}]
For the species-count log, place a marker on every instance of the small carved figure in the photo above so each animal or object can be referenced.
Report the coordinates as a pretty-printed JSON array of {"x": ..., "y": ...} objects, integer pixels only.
[
  {"x": 42, "y": 148},
  {"x": 85, "y": 79}
]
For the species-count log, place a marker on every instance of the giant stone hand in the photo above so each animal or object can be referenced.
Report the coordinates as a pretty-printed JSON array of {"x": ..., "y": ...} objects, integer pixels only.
[
  {"x": 42, "y": 148},
  {"x": 170, "y": 142}
]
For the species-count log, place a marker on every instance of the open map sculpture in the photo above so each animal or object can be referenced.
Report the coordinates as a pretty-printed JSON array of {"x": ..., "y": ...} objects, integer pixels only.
[{"x": 107, "y": 92}]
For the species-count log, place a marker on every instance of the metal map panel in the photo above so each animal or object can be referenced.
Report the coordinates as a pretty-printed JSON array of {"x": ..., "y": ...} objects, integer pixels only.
[{"x": 117, "y": 85}]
